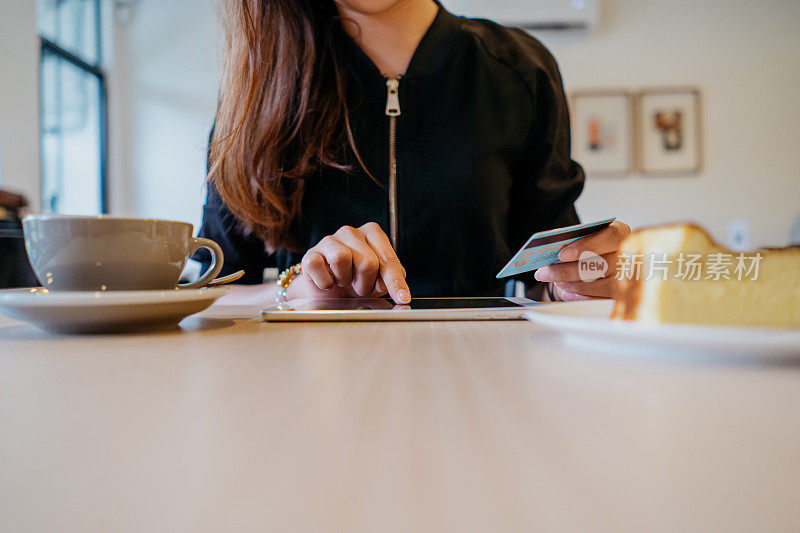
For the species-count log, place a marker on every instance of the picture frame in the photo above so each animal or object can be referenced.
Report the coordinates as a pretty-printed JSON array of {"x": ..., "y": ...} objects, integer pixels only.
[
  {"x": 669, "y": 131},
  {"x": 603, "y": 131}
]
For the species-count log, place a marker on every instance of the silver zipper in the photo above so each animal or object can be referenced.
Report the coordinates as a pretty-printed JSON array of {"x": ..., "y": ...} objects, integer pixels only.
[{"x": 392, "y": 110}]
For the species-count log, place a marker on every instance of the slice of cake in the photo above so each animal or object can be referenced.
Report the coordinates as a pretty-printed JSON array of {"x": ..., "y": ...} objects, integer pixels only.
[{"x": 677, "y": 273}]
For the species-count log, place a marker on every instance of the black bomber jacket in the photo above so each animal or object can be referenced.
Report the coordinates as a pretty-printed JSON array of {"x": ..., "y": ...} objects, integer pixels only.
[{"x": 482, "y": 158}]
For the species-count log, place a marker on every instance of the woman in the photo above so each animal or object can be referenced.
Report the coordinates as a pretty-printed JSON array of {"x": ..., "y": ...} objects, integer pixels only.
[{"x": 389, "y": 146}]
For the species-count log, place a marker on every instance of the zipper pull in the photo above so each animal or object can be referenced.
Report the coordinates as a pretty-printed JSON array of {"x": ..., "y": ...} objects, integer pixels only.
[{"x": 392, "y": 100}]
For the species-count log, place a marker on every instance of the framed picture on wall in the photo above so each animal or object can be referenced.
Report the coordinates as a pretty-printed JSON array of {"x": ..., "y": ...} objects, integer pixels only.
[
  {"x": 602, "y": 131},
  {"x": 669, "y": 131}
]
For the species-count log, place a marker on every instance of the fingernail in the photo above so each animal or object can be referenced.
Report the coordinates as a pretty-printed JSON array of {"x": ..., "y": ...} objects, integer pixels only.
[
  {"x": 403, "y": 296},
  {"x": 568, "y": 254},
  {"x": 543, "y": 274},
  {"x": 567, "y": 296}
]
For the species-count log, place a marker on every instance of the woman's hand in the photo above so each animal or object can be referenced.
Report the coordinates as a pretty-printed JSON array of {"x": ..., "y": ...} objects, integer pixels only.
[
  {"x": 569, "y": 285},
  {"x": 352, "y": 262}
]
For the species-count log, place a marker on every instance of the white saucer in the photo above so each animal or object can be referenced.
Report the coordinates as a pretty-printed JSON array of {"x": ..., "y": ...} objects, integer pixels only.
[
  {"x": 586, "y": 324},
  {"x": 103, "y": 312}
]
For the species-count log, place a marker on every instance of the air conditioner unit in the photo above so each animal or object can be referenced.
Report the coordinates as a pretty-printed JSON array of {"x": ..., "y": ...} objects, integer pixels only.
[{"x": 534, "y": 15}]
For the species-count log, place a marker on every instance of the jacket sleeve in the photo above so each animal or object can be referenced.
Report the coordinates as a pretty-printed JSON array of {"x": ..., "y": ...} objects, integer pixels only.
[
  {"x": 549, "y": 181},
  {"x": 243, "y": 251}
]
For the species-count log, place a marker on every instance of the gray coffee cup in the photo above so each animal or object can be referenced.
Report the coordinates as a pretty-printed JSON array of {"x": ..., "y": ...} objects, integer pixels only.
[{"x": 81, "y": 253}]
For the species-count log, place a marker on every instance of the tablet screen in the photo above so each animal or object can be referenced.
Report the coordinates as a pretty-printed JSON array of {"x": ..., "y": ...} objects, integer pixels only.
[{"x": 351, "y": 304}]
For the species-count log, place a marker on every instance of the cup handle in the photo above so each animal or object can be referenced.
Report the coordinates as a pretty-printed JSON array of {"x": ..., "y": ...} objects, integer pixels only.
[{"x": 217, "y": 259}]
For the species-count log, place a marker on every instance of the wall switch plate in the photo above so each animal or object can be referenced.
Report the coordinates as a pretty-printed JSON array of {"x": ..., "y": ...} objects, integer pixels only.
[
  {"x": 794, "y": 234},
  {"x": 739, "y": 234}
]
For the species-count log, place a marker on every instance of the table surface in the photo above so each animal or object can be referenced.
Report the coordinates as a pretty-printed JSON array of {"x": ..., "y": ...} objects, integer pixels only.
[{"x": 232, "y": 424}]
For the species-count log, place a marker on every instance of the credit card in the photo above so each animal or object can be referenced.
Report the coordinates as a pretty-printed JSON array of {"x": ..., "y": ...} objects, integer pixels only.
[{"x": 542, "y": 248}]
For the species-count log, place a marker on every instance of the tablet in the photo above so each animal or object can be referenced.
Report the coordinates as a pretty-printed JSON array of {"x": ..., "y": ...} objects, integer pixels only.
[{"x": 383, "y": 309}]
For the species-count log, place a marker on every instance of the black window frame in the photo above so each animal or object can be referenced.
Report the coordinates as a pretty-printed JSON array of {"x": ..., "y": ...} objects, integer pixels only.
[{"x": 48, "y": 47}]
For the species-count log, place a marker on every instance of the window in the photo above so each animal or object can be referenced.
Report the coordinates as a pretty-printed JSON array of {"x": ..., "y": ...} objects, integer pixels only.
[{"x": 73, "y": 107}]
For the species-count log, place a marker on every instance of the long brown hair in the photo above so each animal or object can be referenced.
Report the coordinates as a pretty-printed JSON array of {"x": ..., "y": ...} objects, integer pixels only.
[{"x": 282, "y": 111}]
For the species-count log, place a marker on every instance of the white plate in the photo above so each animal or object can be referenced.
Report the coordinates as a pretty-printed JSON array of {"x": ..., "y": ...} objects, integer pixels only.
[
  {"x": 586, "y": 324},
  {"x": 103, "y": 312}
]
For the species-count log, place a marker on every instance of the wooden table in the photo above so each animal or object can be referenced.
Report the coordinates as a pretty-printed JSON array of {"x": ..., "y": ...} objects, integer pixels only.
[{"x": 231, "y": 424}]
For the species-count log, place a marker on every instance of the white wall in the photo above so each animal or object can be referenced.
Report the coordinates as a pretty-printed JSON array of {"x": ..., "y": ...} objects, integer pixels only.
[
  {"x": 163, "y": 86},
  {"x": 743, "y": 54},
  {"x": 745, "y": 57},
  {"x": 19, "y": 116}
]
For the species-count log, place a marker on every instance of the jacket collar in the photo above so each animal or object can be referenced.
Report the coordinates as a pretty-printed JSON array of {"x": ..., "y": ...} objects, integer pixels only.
[{"x": 432, "y": 51}]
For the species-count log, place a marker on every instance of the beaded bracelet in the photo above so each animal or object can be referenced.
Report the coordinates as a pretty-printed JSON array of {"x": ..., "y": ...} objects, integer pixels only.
[{"x": 284, "y": 279}]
